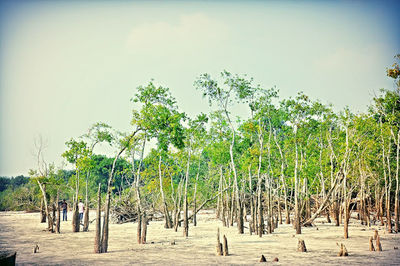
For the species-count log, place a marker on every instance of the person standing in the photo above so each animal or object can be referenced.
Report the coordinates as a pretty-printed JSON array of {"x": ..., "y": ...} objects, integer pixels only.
[
  {"x": 64, "y": 206},
  {"x": 81, "y": 208}
]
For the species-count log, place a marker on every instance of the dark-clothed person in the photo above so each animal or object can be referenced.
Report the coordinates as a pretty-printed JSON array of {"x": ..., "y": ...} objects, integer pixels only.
[{"x": 64, "y": 207}]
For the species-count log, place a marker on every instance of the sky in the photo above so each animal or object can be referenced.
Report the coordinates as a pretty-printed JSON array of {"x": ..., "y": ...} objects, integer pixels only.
[{"x": 65, "y": 65}]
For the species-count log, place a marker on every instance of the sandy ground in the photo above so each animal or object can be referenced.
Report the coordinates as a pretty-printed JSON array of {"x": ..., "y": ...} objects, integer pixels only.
[{"x": 21, "y": 231}]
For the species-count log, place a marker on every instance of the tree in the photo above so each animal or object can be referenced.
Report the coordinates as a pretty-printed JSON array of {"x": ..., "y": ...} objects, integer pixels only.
[
  {"x": 76, "y": 154},
  {"x": 97, "y": 133},
  {"x": 122, "y": 146},
  {"x": 161, "y": 120},
  {"x": 48, "y": 183},
  {"x": 234, "y": 87},
  {"x": 194, "y": 134}
]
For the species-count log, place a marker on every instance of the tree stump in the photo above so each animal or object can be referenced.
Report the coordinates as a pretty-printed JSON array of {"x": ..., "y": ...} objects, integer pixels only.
[
  {"x": 262, "y": 259},
  {"x": 378, "y": 244},
  {"x": 301, "y": 246},
  {"x": 371, "y": 244},
  {"x": 225, "y": 247},
  {"x": 36, "y": 248},
  {"x": 375, "y": 234},
  {"x": 219, "y": 245},
  {"x": 343, "y": 251}
]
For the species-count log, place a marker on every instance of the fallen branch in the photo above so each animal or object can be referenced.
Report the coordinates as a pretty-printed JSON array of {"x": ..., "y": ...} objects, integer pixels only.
[
  {"x": 204, "y": 203},
  {"x": 323, "y": 205}
]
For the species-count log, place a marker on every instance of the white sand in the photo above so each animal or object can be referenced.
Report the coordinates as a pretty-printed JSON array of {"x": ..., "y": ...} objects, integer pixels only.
[{"x": 21, "y": 231}]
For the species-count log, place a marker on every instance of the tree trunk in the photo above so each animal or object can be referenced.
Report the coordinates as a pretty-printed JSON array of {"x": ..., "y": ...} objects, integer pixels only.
[
  {"x": 168, "y": 222},
  {"x": 397, "y": 192},
  {"x": 260, "y": 212},
  {"x": 86, "y": 214},
  {"x": 46, "y": 207},
  {"x": 396, "y": 212},
  {"x": 220, "y": 200},
  {"x": 75, "y": 214},
  {"x": 97, "y": 243},
  {"x": 195, "y": 199},
  {"x": 388, "y": 194},
  {"x": 239, "y": 210},
  {"x": 42, "y": 211},
  {"x": 185, "y": 200},
  {"x": 137, "y": 189},
  {"x": 144, "y": 229},
  {"x": 296, "y": 196},
  {"x": 280, "y": 210},
  {"x": 54, "y": 210},
  {"x": 104, "y": 236},
  {"x": 232, "y": 210},
  {"x": 282, "y": 176},
  {"x": 58, "y": 216},
  {"x": 139, "y": 228},
  {"x": 388, "y": 213},
  {"x": 346, "y": 220},
  {"x": 381, "y": 208},
  {"x": 177, "y": 214},
  {"x": 75, "y": 217}
]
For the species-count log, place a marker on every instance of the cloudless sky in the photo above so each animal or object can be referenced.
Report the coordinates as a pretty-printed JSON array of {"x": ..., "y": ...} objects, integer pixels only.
[{"x": 65, "y": 65}]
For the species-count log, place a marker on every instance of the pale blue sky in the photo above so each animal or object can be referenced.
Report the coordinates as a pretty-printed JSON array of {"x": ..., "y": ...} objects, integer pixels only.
[{"x": 65, "y": 65}]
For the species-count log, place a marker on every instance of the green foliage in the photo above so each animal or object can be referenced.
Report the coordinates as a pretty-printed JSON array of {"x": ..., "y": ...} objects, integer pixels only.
[
  {"x": 101, "y": 170},
  {"x": 327, "y": 143},
  {"x": 159, "y": 116}
]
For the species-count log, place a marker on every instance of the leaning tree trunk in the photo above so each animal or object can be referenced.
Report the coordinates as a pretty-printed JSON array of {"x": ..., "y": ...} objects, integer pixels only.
[
  {"x": 46, "y": 207},
  {"x": 104, "y": 236}
]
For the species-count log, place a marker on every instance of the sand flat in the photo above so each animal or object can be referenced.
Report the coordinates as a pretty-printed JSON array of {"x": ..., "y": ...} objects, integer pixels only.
[{"x": 20, "y": 231}]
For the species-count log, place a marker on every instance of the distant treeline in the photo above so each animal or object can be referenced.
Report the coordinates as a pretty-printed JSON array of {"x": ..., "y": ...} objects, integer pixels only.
[
  {"x": 12, "y": 182},
  {"x": 22, "y": 192}
]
